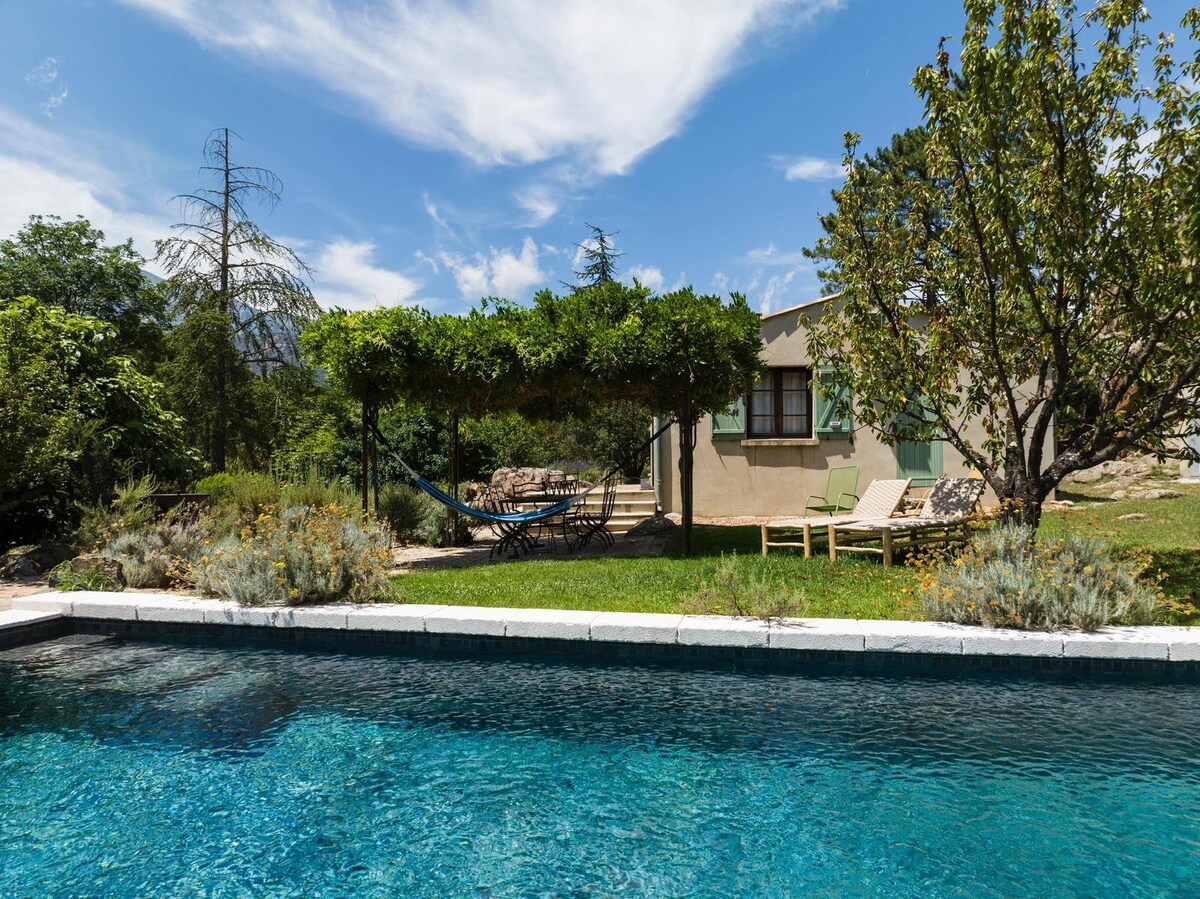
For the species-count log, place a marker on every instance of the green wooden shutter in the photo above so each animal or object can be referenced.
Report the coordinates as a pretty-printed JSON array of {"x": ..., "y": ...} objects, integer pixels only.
[
  {"x": 833, "y": 413},
  {"x": 920, "y": 460},
  {"x": 730, "y": 424}
]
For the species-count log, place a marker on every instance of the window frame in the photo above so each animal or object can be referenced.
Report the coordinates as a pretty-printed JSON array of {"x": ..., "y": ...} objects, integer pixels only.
[{"x": 777, "y": 393}]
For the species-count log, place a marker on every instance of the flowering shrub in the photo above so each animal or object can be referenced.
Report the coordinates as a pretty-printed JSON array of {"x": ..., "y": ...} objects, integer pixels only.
[
  {"x": 158, "y": 558},
  {"x": 1006, "y": 579},
  {"x": 299, "y": 555}
]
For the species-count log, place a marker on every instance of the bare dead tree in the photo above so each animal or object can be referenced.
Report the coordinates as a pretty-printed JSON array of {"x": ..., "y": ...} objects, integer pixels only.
[{"x": 220, "y": 260}]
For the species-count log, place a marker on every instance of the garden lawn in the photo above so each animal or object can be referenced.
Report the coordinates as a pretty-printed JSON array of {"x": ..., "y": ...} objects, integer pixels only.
[
  {"x": 1169, "y": 535},
  {"x": 852, "y": 588}
]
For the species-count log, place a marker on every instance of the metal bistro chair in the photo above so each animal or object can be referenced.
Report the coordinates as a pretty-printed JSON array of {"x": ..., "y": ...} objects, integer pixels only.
[
  {"x": 511, "y": 537},
  {"x": 591, "y": 523},
  {"x": 552, "y": 490}
]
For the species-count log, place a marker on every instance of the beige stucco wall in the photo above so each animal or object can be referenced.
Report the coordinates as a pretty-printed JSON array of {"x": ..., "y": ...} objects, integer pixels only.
[{"x": 734, "y": 478}]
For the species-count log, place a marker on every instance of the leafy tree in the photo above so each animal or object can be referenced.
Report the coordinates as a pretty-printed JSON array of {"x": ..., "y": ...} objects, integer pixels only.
[
  {"x": 75, "y": 417},
  {"x": 196, "y": 349},
  {"x": 610, "y": 434},
  {"x": 599, "y": 255},
  {"x": 1062, "y": 283},
  {"x": 67, "y": 264},
  {"x": 904, "y": 158},
  {"x": 223, "y": 264}
]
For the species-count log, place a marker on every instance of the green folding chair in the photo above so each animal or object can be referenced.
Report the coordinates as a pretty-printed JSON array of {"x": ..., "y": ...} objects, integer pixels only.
[{"x": 841, "y": 492}]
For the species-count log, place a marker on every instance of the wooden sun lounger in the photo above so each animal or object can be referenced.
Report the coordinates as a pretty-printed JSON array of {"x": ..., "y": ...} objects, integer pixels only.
[
  {"x": 881, "y": 499},
  {"x": 951, "y": 506}
]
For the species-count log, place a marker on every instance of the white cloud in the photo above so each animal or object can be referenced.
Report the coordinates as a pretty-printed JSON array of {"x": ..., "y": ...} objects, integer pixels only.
[
  {"x": 539, "y": 201},
  {"x": 651, "y": 276},
  {"x": 505, "y": 272},
  {"x": 776, "y": 289},
  {"x": 503, "y": 81},
  {"x": 41, "y": 173},
  {"x": 428, "y": 260},
  {"x": 44, "y": 73},
  {"x": 810, "y": 168},
  {"x": 53, "y": 102},
  {"x": 648, "y": 276},
  {"x": 345, "y": 274},
  {"x": 770, "y": 255},
  {"x": 434, "y": 213}
]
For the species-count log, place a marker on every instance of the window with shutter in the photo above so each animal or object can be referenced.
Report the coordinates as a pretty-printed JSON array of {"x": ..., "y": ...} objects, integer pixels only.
[
  {"x": 780, "y": 404},
  {"x": 833, "y": 408}
]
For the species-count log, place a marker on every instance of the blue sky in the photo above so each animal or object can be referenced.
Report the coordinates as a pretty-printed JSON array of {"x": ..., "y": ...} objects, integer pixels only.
[{"x": 435, "y": 152}]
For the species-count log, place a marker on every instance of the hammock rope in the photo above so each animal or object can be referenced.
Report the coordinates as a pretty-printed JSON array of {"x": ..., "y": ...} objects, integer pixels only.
[{"x": 516, "y": 518}]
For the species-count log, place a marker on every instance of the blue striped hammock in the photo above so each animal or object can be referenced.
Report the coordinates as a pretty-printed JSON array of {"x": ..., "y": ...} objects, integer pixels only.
[{"x": 517, "y": 518}]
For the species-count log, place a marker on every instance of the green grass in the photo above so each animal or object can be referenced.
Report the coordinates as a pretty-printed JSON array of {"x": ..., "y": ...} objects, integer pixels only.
[{"x": 851, "y": 588}]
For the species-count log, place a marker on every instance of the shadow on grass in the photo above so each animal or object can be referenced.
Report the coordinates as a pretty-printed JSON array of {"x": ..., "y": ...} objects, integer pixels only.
[{"x": 717, "y": 540}]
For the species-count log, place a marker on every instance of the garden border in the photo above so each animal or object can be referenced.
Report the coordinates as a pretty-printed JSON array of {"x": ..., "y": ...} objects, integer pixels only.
[{"x": 622, "y": 636}]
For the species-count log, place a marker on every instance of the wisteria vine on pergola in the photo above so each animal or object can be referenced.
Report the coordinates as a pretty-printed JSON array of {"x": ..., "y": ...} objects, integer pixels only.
[{"x": 681, "y": 354}]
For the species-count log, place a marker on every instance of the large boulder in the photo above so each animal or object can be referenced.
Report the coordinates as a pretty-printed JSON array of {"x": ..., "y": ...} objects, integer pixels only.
[
  {"x": 657, "y": 526},
  {"x": 515, "y": 483},
  {"x": 1156, "y": 493},
  {"x": 30, "y": 561},
  {"x": 102, "y": 570}
]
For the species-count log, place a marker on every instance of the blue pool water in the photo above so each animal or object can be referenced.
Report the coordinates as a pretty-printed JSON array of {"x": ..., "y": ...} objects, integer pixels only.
[{"x": 148, "y": 769}]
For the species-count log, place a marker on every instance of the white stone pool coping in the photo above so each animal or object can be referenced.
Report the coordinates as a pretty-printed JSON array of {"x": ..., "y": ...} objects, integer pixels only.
[{"x": 821, "y": 634}]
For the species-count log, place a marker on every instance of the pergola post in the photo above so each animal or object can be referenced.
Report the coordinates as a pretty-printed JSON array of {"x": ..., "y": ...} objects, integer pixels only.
[
  {"x": 687, "y": 444},
  {"x": 454, "y": 454},
  {"x": 366, "y": 453}
]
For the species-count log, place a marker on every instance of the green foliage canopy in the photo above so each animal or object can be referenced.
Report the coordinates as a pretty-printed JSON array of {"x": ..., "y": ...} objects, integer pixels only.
[
  {"x": 67, "y": 264},
  {"x": 75, "y": 416},
  {"x": 1060, "y": 279},
  {"x": 558, "y": 355}
]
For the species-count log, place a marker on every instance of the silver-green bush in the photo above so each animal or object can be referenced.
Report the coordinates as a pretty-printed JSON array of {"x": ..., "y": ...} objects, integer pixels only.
[
  {"x": 403, "y": 508},
  {"x": 1004, "y": 578},
  {"x": 300, "y": 555},
  {"x": 158, "y": 558}
]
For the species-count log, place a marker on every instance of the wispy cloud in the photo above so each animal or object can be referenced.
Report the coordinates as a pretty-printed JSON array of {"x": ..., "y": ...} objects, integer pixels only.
[
  {"x": 540, "y": 202},
  {"x": 43, "y": 173},
  {"x": 345, "y": 274},
  {"x": 771, "y": 255},
  {"x": 771, "y": 279},
  {"x": 502, "y": 272},
  {"x": 504, "y": 81},
  {"x": 44, "y": 75},
  {"x": 53, "y": 102},
  {"x": 810, "y": 168},
  {"x": 431, "y": 208}
]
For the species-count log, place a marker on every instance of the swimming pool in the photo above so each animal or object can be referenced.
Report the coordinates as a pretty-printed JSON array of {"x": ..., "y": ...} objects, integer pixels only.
[{"x": 143, "y": 768}]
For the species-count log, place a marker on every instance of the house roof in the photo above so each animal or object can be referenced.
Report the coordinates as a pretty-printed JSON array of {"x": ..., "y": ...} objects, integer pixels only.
[{"x": 804, "y": 305}]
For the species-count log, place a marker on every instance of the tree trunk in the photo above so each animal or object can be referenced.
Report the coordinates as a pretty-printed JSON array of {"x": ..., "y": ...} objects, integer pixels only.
[
  {"x": 375, "y": 460},
  {"x": 454, "y": 452},
  {"x": 220, "y": 436},
  {"x": 687, "y": 445},
  {"x": 366, "y": 452},
  {"x": 1022, "y": 503}
]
